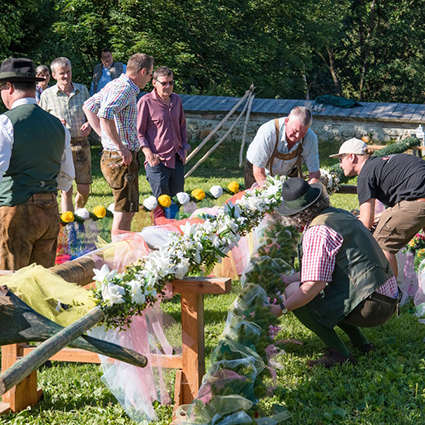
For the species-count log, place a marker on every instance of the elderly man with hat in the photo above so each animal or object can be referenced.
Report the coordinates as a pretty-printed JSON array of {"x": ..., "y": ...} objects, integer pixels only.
[
  {"x": 398, "y": 181},
  {"x": 345, "y": 279},
  {"x": 35, "y": 161}
]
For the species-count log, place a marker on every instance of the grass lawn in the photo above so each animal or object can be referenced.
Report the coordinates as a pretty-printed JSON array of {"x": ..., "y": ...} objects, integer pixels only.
[{"x": 387, "y": 387}]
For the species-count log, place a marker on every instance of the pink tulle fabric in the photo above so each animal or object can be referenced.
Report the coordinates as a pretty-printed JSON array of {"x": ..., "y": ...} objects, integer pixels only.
[{"x": 135, "y": 388}]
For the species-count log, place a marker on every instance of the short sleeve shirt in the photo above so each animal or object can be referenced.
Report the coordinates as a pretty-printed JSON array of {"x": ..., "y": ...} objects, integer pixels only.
[
  {"x": 117, "y": 101},
  {"x": 261, "y": 149},
  {"x": 392, "y": 179}
]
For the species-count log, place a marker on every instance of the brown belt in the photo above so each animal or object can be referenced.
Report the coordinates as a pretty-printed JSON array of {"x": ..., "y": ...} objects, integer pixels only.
[
  {"x": 45, "y": 196},
  {"x": 78, "y": 139}
]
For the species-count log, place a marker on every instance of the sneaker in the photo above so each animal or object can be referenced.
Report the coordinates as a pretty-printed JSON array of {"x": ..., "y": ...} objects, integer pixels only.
[{"x": 332, "y": 358}]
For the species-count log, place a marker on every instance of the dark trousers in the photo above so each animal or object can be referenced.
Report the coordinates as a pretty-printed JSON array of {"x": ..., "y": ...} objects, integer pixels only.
[{"x": 164, "y": 180}]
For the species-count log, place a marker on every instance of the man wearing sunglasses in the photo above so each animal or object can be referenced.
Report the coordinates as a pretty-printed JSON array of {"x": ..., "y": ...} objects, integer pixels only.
[{"x": 161, "y": 128}]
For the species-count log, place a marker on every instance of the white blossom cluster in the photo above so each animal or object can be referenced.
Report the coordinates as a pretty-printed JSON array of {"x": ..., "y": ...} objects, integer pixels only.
[{"x": 330, "y": 181}]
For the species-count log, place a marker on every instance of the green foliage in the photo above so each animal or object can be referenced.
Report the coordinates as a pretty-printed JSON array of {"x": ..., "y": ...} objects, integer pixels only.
[{"x": 361, "y": 49}]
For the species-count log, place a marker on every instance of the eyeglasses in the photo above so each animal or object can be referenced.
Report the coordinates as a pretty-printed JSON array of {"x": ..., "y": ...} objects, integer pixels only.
[
  {"x": 165, "y": 83},
  {"x": 2, "y": 84},
  {"x": 341, "y": 158}
]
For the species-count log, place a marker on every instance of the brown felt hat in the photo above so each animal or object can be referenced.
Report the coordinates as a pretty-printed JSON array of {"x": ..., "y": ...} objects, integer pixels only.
[{"x": 18, "y": 70}]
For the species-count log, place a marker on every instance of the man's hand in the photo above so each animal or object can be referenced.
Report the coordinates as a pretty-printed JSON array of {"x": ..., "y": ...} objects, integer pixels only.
[
  {"x": 125, "y": 155},
  {"x": 153, "y": 158},
  {"x": 85, "y": 129}
]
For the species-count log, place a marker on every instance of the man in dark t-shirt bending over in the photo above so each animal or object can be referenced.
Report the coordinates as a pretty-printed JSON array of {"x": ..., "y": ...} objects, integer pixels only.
[{"x": 398, "y": 181}]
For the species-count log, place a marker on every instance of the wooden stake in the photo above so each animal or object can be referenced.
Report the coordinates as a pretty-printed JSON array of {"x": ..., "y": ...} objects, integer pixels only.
[
  {"x": 217, "y": 144},
  {"x": 248, "y": 113},
  {"x": 196, "y": 150}
]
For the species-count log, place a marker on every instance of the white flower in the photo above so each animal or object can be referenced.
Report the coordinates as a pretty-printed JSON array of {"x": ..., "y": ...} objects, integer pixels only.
[
  {"x": 150, "y": 203},
  {"x": 189, "y": 229},
  {"x": 104, "y": 274},
  {"x": 216, "y": 191},
  {"x": 83, "y": 213},
  {"x": 182, "y": 268},
  {"x": 137, "y": 295},
  {"x": 113, "y": 293},
  {"x": 111, "y": 208},
  {"x": 183, "y": 198}
]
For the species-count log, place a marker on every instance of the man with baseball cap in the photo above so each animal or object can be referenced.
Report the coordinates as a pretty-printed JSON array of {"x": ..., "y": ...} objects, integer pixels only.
[
  {"x": 344, "y": 280},
  {"x": 35, "y": 161},
  {"x": 398, "y": 181}
]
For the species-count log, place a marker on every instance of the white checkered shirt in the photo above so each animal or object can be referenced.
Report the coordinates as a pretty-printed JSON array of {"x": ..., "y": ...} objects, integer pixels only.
[{"x": 117, "y": 101}]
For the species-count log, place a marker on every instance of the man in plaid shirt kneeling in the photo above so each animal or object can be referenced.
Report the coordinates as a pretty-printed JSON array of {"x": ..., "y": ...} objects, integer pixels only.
[{"x": 345, "y": 279}]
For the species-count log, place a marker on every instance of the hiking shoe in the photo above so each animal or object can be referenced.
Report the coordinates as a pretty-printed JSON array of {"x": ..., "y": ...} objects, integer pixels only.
[
  {"x": 332, "y": 358},
  {"x": 366, "y": 348}
]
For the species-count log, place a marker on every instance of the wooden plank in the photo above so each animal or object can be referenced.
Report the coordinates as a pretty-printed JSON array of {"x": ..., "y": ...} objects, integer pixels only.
[
  {"x": 71, "y": 355},
  {"x": 24, "y": 393},
  {"x": 379, "y": 110},
  {"x": 4, "y": 408},
  {"x": 418, "y": 114},
  {"x": 193, "y": 345},
  {"x": 221, "y": 103},
  {"x": 389, "y": 109},
  {"x": 398, "y": 112},
  {"x": 409, "y": 111},
  {"x": 368, "y": 112},
  {"x": 259, "y": 105},
  {"x": 214, "y": 286}
]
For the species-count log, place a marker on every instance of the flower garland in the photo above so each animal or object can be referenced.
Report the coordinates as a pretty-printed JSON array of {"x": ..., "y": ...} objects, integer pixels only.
[
  {"x": 194, "y": 252},
  {"x": 196, "y": 195},
  {"x": 82, "y": 214}
]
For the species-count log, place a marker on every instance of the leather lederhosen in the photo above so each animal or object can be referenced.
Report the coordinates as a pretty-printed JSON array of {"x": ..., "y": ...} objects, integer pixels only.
[{"x": 297, "y": 169}]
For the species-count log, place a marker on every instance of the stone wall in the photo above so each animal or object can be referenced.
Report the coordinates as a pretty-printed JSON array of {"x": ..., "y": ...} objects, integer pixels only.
[{"x": 199, "y": 125}]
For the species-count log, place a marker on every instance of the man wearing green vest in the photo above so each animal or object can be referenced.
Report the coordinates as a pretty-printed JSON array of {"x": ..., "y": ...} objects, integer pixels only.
[
  {"x": 344, "y": 280},
  {"x": 35, "y": 161}
]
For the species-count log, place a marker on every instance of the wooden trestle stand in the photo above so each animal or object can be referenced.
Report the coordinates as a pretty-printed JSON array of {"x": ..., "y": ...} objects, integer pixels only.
[{"x": 190, "y": 364}]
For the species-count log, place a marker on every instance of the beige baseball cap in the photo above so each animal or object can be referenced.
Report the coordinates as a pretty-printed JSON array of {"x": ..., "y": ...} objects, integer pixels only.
[{"x": 353, "y": 145}]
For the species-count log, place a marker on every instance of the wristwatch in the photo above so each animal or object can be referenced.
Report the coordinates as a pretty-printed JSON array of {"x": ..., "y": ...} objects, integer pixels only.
[{"x": 284, "y": 309}]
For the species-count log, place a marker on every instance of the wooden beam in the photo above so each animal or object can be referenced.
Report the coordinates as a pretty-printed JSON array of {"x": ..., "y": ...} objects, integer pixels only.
[
  {"x": 213, "y": 286},
  {"x": 193, "y": 344}
]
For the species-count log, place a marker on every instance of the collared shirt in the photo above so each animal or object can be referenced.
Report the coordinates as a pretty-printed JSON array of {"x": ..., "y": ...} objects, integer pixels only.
[
  {"x": 321, "y": 245},
  {"x": 70, "y": 109},
  {"x": 104, "y": 79},
  {"x": 117, "y": 101},
  {"x": 261, "y": 149},
  {"x": 67, "y": 171},
  {"x": 162, "y": 127}
]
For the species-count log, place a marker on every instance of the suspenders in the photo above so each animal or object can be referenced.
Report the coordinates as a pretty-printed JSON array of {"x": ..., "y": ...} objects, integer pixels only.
[{"x": 297, "y": 170}]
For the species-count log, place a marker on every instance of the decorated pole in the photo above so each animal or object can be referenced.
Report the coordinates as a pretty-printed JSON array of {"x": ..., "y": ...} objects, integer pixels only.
[{"x": 47, "y": 349}]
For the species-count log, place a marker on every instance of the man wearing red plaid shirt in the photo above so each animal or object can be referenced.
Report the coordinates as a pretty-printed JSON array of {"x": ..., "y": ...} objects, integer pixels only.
[{"x": 345, "y": 279}]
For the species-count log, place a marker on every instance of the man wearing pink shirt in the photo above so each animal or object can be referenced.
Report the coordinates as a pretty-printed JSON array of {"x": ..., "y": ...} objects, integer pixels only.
[{"x": 161, "y": 128}]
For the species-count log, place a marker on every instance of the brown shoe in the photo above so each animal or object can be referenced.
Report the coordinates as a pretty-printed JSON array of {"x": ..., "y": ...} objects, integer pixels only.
[{"x": 331, "y": 358}]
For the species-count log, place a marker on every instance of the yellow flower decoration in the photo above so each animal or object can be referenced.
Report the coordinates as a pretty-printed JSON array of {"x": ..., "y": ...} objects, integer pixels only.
[
  {"x": 198, "y": 194},
  {"x": 421, "y": 251},
  {"x": 412, "y": 243},
  {"x": 67, "y": 217},
  {"x": 99, "y": 211},
  {"x": 164, "y": 201},
  {"x": 233, "y": 187}
]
